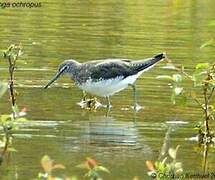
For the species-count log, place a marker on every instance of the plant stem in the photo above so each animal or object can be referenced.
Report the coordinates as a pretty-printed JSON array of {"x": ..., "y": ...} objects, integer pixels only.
[
  {"x": 184, "y": 73},
  {"x": 205, "y": 157},
  {"x": 206, "y": 110},
  {"x": 11, "y": 81},
  {"x": 12, "y": 63},
  {"x": 11, "y": 67}
]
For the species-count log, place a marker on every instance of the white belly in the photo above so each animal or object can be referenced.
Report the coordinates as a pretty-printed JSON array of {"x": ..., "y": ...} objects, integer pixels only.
[{"x": 108, "y": 87}]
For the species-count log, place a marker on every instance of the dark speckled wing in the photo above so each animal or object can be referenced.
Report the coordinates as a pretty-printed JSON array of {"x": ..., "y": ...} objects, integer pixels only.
[
  {"x": 121, "y": 68},
  {"x": 110, "y": 69}
]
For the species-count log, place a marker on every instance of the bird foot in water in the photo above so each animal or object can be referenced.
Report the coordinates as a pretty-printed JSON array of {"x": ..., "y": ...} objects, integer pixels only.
[
  {"x": 89, "y": 103},
  {"x": 137, "y": 107},
  {"x": 108, "y": 106}
]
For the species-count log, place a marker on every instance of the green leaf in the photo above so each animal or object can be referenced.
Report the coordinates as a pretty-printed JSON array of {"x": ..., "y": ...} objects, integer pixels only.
[
  {"x": 173, "y": 152},
  {"x": 202, "y": 66},
  {"x": 21, "y": 120},
  {"x": 199, "y": 75},
  {"x": 15, "y": 109},
  {"x": 212, "y": 83},
  {"x": 5, "y": 118},
  {"x": 10, "y": 149},
  {"x": 164, "y": 160},
  {"x": 47, "y": 163},
  {"x": 102, "y": 168}
]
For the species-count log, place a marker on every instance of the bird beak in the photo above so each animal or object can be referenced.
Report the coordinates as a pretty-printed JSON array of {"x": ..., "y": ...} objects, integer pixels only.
[{"x": 53, "y": 79}]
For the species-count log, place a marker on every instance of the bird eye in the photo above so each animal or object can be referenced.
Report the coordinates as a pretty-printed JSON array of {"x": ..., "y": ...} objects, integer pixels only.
[{"x": 65, "y": 68}]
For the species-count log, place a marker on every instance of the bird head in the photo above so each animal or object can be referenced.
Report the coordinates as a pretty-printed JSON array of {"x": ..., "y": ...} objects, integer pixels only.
[{"x": 67, "y": 67}]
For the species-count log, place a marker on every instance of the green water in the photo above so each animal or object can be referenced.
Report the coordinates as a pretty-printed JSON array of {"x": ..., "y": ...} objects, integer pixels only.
[{"x": 88, "y": 30}]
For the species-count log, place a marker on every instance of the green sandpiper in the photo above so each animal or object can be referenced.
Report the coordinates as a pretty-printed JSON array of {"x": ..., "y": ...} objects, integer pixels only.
[{"x": 106, "y": 77}]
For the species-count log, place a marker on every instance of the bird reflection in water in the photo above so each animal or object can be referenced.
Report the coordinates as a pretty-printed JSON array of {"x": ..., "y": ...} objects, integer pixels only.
[{"x": 105, "y": 131}]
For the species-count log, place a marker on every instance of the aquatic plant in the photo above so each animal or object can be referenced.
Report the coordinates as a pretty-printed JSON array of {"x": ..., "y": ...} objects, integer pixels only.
[
  {"x": 12, "y": 54},
  {"x": 166, "y": 170},
  {"x": 9, "y": 122},
  {"x": 90, "y": 165},
  {"x": 202, "y": 92},
  {"x": 48, "y": 166},
  {"x": 93, "y": 169}
]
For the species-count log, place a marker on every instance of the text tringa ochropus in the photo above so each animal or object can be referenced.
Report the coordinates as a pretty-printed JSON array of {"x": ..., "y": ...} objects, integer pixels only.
[{"x": 106, "y": 77}]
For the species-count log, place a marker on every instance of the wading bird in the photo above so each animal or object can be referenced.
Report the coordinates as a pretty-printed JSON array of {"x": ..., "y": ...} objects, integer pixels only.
[{"x": 104, "y": 78}]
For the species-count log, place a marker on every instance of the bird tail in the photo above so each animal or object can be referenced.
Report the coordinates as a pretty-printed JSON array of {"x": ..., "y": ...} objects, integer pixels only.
[{"x": 148, "y": 63}]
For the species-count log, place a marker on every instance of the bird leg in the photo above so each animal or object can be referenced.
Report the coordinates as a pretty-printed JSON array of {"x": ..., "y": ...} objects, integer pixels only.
[
  {"x": 108, "y": 102},
  {"x": 84, "y": 96},
  {"x": 134, "y": 95}
]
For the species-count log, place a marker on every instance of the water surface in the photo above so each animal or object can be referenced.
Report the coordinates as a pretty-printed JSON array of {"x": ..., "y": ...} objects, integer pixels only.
[{"x": 88, "y": 30}]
